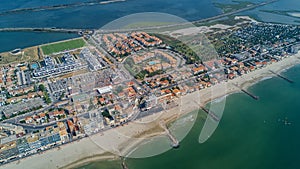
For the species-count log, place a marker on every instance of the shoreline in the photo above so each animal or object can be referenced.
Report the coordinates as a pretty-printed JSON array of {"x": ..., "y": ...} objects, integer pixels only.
[
  {"x": 245, "y": 85},
  {"x": 89, "y": 159},
  {"x": 93, "y": 151}
]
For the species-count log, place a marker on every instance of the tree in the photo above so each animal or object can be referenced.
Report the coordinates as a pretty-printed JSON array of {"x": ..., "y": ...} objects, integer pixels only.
[
  {"x": 105, "y": 113},
  {"x": 42, "y": 88}
]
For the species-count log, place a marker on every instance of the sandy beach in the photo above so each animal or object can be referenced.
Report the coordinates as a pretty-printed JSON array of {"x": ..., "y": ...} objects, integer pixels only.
[{"x": 123, "y": 139}]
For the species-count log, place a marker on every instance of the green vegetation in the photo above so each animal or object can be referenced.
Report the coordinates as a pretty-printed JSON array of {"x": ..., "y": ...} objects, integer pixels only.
[
  {"x": 131, "y": 66},
  {"x": 42, "y": 88},
  {"x": 226, "y": 7},
  {"x": 141, "y": 75},
  {"x": 180, "y": 47},
  {"x": 61, "y": 46},
  {"x": 105, "y": 113},
  {"x": 194, "y": 48},
  {"x": 144, "y": 73},
  {"x": 27, "y": 55},
  {"x": 45, "y": 93}
]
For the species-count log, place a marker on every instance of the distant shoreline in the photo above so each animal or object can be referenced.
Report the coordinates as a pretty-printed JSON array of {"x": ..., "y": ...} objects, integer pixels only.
[{"x": 59, "y": 6}]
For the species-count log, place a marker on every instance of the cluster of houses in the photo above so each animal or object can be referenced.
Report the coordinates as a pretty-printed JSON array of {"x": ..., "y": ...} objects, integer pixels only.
[
  {"x": 19, "y": 144},
  {"x": 145, "y": 39},
  {"x": 139, "y": 58},
  {"x": 45, "y": 117},
  {"x": 8, "y": 77},
  {"x": 120, "y": 45},
  {"x": 15, "y": 80},
  {"x": 101, "y": 98},
  {"x": 162, "y": 61}
]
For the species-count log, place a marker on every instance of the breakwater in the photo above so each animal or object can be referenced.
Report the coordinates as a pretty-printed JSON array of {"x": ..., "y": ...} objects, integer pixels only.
[
  {"x": 173, "y": 139},
  {"x": 282, "y": 77}
]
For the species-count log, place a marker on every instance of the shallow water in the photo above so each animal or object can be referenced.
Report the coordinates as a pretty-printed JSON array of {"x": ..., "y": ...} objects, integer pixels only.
[{"x": 252, "y": 134}]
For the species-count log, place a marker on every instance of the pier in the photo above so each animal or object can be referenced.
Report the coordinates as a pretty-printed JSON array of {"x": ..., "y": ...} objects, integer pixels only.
[
  {"x": 282, "y": 77},
  {"x": 174, "y": 141},
  {"x": 211, "y": 114}
]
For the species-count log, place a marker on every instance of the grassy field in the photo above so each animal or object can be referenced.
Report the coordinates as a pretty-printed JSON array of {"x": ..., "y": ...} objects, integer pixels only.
[
  {"x": 61, "y": 46},
  {"x": 131, "y": 67},
  {"x": 27, "y": 55}
]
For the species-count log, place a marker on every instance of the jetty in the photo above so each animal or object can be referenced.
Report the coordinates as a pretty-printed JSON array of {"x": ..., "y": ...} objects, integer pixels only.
[
  {"x": 211, "y": 114},
  {"x": 248, "y": 93},
  {"x": 174, "y": 141},
  {"x": 123, "y": 164},
  {"x": 282, "y": 77}
]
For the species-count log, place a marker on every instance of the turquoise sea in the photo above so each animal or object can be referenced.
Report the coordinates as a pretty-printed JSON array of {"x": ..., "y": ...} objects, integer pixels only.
[{"x": 252, "y": 134}]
